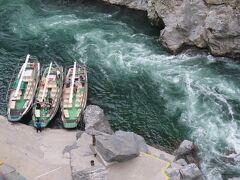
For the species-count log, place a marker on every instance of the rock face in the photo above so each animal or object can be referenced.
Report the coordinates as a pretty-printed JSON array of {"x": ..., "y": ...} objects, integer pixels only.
[
  {"x": 186, "y": 172},
  {"x": 191, "y": 171},
  {"x": 133, "y": 4},
  {"x": 95, "y": 121},
  {"x": 121, "y": 146},
  {"x": 185, "y": 148},
  {"x": 212, "y": 24}
]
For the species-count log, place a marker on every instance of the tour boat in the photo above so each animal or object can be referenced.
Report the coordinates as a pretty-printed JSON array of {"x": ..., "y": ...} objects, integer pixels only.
[
  {"x": 22, "y": 89},
  {"x": 74, "y": 96},
  {"x": 48, "y": 96}
]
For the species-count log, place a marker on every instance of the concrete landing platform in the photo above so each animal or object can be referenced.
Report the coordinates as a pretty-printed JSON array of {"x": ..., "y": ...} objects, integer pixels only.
[{"x": 142, "y": 167}]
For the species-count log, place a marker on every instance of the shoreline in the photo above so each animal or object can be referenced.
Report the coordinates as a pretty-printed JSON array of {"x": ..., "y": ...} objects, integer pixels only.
[{"x": 63, "y": 154}]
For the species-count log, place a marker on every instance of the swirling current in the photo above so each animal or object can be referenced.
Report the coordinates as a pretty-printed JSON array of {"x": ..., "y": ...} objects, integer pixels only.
[{"x": 140, "y": 86}]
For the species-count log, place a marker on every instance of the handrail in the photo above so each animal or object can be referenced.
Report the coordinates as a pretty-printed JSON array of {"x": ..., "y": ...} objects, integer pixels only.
[
  {"x": 22, "y": 73},
  {"x": 35, "y": 76},
  {"x": 72, "y": 85},
  {"x": 59, "y": 88},
  {"x": 45, "y": 86}
]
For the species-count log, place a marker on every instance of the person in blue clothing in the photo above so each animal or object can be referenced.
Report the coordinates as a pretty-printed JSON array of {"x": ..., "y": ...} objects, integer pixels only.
[{"x": 38, "y": 126}]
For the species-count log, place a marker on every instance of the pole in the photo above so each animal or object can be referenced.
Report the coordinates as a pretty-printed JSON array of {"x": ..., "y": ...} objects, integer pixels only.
[
  {"x": 72, "y": 85},
  {"x": 21, "y": 73},
  {"x": 45, "y": 86}
]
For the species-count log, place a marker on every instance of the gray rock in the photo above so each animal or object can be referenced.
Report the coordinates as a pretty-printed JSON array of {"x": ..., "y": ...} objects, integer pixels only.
[
  {"x": 222, "y": 27},
  {"x": 186, "y": 147},
  {"x": 174, "y": 165},
  {"x": 121, "y": 146},
  {"x": 212, "y": 24},
  {"x": 95, "y": 121},
  {"x": 181, "y": 162},
  {"x": 191, "y": 172},
  {"x": 142, "y": 146},
  {"x": 93, "y": 173},
  {"x": 232, "y": 158},
  {"x": 133, "y": 4},
  {"x": 173, "y": 174},
  {"x": 185, "y": 26},
  {"x": 190, "y": 159}
]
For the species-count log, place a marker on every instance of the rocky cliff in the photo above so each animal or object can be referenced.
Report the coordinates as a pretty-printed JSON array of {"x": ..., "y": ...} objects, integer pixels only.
[{"x": 209, "y": 24}]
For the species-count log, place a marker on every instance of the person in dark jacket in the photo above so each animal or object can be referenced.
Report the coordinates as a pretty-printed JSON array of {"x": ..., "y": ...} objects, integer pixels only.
[{"x": 38, "y": 126}]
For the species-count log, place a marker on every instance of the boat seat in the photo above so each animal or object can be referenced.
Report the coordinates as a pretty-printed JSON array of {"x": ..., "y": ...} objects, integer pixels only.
[
  {"x": 12, "y": 104},
  {"x": 66, "y": 114},
  {"x": 28, "y": 95},
  {"x": 52, "y": 85},
  {"x": 79, "y": 96},
  {"x": 53, "y": 94},
  {"x": 65, "y": 101},
  {"x": 28, "y": 88},
  {"x": 37, "y": 113},
  {"x": 54, "y": 89},
  {"x": 30, "y": 83},
  {"x": 16, "y": 97},
  {"x": 67, "y": 105},
  {"x": 77, "y": 105},
  {"x": 78, "y": 100},
  {"x": 67, "y": 90}
]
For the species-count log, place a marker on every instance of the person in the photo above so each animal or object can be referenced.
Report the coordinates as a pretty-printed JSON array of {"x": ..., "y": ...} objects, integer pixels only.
[
  {"x": 92, "y": 162},
  {"x": 82, "y": 79},
  {"x": 75, "y": 87},
  {"x": 93, "y": 140},
  {"x": 38, "y": 126},
  {"x": 58, "y": 74},
  {"x": 68, "y": 83},
  {"x": 38, "y": 105},
  {"x": 50, "y": 101}
]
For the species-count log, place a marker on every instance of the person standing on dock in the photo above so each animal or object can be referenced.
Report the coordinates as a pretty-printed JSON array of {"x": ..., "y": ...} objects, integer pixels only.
[{"x": 38, "y": 126}]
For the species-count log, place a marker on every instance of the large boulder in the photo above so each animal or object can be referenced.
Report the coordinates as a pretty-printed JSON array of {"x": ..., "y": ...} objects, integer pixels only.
[
  {"x": 95, "y": 121},
  {"x": 212, "y": 24},
  {"x": 191, "y": 172},
  {"x": 232, "y": 158},
  {"x": 140, "y": 142},
  {"x": 173, "y": 174},
  {"x": 185, "y": 148},
  {"x": 121, "y": 146},
  {"x": 185, "y": 26},
  {"x": 222, "y": 28}
]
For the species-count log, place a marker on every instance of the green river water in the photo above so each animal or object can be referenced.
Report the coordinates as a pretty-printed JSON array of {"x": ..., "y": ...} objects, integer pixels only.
[{"x": 140, "y": 86}]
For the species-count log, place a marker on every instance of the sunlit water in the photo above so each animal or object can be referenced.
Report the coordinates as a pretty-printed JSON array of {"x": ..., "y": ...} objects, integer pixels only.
[{"x": 141, "y": 88}]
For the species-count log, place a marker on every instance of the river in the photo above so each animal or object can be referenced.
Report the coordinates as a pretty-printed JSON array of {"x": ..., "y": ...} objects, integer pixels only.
[{"x": 140, "y": 86}]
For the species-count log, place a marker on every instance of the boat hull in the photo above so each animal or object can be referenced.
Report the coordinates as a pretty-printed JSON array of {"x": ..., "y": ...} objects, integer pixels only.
[
  {"x": 51, "y": 90},
  {"x": 20, "y": 100},
  {"x": 74, "y": 103}
]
